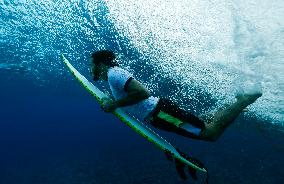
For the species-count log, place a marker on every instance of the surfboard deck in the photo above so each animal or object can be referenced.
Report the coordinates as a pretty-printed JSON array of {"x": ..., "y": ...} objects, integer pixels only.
[{"x": 134, "y": 124}]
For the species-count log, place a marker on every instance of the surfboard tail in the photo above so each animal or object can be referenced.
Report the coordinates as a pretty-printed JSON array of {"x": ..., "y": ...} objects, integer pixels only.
[{"x": 181, "y": 167}]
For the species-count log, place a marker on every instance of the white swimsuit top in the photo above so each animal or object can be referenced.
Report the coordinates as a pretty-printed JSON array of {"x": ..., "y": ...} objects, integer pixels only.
[{"x": 118, "y": 80}]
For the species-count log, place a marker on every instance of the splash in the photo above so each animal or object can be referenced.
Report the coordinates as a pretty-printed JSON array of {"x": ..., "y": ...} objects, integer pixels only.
[
  {"x": 200, "y": 53},
  {"x": 219, "y": 47}
]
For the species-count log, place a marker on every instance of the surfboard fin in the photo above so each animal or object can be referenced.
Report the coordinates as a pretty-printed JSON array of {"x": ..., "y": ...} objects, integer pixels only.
[
  {"x": 192, "y": 172},
  {"x": 169, "y": 156},
  {"x": 180, "y": 167}
]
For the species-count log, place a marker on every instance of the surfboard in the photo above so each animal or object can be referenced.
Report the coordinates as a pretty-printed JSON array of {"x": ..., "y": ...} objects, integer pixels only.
[{"x": 139, "y": 127}]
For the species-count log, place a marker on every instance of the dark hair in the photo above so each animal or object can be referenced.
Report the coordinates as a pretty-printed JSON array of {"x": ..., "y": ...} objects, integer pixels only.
[{"x": 104, "y": 56}]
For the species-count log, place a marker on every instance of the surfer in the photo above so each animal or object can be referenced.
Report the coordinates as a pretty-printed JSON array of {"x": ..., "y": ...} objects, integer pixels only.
[{"x": 162, "y": 113}]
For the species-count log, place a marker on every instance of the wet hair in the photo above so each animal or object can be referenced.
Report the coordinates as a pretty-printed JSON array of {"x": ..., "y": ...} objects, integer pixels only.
[{"x": 104, "y": 56}]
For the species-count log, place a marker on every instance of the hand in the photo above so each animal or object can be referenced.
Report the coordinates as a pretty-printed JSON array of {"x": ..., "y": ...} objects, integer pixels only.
[
  {"x": 62, "y": 56},
  {"x": 108, "y": 105}
]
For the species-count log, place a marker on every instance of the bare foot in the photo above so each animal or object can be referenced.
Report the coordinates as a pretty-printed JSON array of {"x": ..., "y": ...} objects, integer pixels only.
[{"x": 249, "y": 98}]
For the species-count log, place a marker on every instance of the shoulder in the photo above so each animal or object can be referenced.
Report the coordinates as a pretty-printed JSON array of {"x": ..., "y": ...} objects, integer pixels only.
[
  {"x": 119, "y": 77},
  {"x": 117, "y": 71}
]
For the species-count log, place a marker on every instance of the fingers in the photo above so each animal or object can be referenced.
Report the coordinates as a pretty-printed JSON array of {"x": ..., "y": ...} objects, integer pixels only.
[
  {"x": 106, "y": 109},
  {"x": 107, "y": 104}
]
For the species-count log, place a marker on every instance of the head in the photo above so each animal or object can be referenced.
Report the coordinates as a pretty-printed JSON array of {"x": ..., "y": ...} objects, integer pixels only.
[{"x": 101, "y": 61}]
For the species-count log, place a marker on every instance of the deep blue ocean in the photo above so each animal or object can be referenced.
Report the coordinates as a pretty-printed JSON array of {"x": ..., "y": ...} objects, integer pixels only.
[{"x": 197, "y": 53}]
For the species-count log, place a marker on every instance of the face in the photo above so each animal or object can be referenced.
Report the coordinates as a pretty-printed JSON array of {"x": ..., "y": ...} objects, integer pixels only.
[
  {"x": 98, "y": 71},
  {"x": 95, "y": 70}
]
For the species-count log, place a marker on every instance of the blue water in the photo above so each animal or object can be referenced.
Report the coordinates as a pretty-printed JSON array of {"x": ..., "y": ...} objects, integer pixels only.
[{"x": 197, "y": 53}]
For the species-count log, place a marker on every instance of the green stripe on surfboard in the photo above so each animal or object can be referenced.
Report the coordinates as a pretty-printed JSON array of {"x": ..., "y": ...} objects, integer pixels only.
[{"x": 137, "y": 126}]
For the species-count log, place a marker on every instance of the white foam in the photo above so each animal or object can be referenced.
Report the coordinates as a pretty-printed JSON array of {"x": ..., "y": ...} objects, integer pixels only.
[
  {"x": 213, "y": 46},
  {"x": 218, "y": 46}
]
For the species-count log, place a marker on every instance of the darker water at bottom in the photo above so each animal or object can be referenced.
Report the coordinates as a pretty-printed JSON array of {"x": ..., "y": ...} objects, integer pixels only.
[{"x": 48, "y": 137}]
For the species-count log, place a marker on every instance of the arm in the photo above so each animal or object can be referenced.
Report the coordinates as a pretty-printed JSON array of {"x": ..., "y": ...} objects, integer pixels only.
[{"x": 136, "y": 93}]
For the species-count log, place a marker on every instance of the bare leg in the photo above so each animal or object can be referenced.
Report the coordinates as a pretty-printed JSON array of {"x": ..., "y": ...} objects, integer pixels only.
[{"x": 223, "y": 118}]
